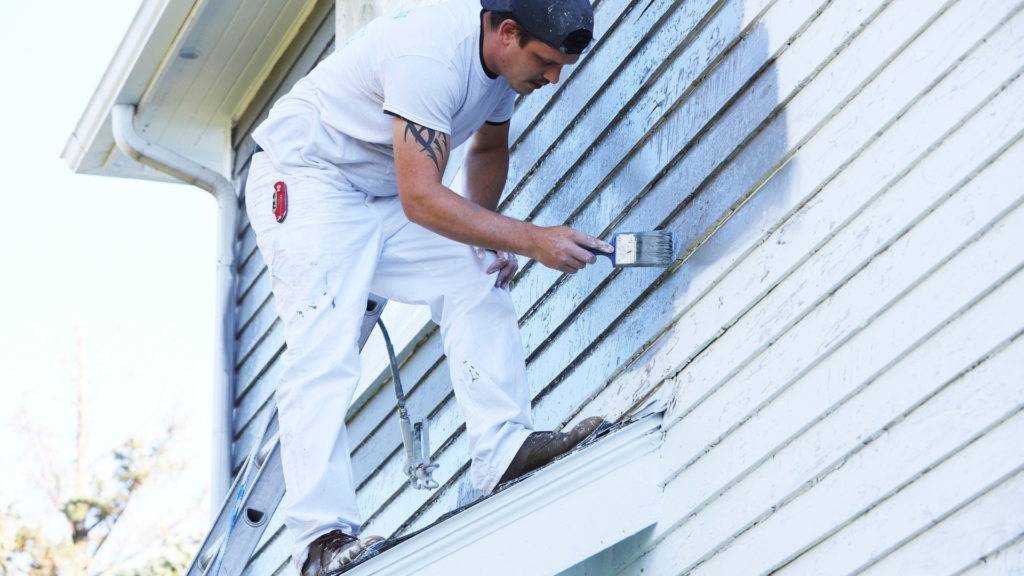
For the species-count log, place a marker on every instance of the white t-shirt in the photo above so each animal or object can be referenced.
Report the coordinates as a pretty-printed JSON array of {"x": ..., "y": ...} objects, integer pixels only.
[{"x": 423, "y": 65}]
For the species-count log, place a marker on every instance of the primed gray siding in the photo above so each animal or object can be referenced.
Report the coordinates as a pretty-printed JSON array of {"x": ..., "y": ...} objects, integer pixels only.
[{"x": 838, "y": 341}]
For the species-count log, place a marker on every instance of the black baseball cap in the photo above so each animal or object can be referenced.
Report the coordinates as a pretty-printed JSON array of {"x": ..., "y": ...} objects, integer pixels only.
[{"x": 565, "y": 25}]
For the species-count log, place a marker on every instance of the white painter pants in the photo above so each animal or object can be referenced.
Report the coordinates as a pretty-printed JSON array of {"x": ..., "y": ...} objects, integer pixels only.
[{"x": 334, "y": 248}]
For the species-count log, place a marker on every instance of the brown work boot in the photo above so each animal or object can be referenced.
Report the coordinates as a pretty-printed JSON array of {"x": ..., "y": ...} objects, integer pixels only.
[
  {"x": 542, "y": 447},
  {"x": 333, "y": 550}
]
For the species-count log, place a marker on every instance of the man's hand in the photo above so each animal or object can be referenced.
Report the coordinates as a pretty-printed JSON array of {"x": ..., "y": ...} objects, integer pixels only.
[
  {"x": 506, "y": 265},
  {"x": 559, "y": 247}
]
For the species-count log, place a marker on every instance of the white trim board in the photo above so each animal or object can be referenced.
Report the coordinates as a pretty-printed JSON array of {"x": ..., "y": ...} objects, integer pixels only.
[
  {"x": 140, "y": 52},
  {"x": 561, "y": 515},
  {"x": 234, "y": 47}
]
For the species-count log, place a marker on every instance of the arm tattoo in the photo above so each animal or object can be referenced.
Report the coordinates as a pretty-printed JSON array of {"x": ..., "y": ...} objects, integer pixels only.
[{"x": 434, "y": 143}]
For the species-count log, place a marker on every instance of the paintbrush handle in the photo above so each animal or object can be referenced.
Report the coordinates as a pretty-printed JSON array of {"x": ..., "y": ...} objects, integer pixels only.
[{"x": 597, "y": 252}]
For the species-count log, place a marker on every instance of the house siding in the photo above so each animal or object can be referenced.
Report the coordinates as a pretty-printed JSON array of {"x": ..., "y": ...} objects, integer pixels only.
[{"x": 838, "y": 343}]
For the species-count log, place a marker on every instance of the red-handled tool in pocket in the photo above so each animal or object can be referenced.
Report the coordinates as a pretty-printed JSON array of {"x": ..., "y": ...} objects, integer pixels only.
[{"x": 280, "y": 201}]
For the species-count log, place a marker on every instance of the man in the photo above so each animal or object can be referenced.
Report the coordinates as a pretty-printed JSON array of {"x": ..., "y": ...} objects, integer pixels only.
[{"x": 345, "y": 196}]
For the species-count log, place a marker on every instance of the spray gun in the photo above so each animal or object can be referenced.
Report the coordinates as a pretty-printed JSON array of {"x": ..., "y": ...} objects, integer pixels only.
[{"x": 414, "y": 434}]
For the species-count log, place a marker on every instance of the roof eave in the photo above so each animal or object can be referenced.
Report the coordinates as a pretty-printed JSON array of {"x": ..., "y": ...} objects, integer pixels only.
[
  {"x": 143, "y": 48},
  {"x": 615, "y": 478}
]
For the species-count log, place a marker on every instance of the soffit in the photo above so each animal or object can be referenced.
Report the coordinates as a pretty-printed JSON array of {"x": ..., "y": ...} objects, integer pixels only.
[{"x": 190, "y": 67}]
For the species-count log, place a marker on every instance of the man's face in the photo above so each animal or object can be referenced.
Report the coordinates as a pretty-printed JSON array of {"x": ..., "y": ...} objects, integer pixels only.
[{"x": 534, "y": 65}]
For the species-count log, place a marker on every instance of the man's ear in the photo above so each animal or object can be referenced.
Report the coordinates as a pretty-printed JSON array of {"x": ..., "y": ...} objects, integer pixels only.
[{"x": 509, "y": 33}]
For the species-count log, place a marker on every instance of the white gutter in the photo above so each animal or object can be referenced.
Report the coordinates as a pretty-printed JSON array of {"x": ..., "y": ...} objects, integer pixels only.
[{"x": 176, "y": 165}]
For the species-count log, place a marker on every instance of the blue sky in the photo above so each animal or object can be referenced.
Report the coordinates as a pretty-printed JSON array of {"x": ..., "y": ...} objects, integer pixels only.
[{"x": 135, "y": 260}]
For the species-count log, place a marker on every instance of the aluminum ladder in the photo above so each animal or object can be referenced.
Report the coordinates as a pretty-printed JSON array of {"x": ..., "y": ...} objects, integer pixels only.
[{"x": 259, "y": 486}]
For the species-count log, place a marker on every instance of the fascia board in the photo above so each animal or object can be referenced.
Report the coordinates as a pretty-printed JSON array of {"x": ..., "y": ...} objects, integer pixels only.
[
  {"x": 143, "y": 48},
  {"x": 547, "y": 523}
]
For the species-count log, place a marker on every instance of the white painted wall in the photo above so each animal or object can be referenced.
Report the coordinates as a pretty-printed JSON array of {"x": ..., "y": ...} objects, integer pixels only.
[
  {"x": 845, "y": 384},
  {"x": 839, "y": 345}
]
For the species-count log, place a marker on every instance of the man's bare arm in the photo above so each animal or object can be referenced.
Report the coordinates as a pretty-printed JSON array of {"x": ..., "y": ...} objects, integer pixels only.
[
  {"x": 486, "y": 165},
  {"x": 421, "y": 155}
]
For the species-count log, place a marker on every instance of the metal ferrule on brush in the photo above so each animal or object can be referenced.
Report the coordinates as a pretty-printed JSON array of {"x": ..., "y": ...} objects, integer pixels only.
[
  {"x": 625, "y": 250},
  {"x": 641, "y": 249}
]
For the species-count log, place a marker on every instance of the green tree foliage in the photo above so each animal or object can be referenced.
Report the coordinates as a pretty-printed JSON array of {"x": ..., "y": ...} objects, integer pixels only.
[{"x": 91, "y": 499}]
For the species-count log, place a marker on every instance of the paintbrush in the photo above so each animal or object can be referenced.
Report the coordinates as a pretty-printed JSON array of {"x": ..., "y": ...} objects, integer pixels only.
[{"x": 637, "y": 249}]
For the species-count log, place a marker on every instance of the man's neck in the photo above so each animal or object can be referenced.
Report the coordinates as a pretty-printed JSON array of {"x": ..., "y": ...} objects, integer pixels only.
[{"x": 487, "y": 47}]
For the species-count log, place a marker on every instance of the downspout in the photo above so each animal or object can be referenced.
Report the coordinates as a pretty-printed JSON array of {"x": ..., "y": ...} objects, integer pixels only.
[{"x": 136, "y": 147}]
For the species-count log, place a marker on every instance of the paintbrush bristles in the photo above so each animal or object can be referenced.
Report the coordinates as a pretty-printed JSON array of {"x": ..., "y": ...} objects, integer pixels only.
[{"x": 638, "y": 249}]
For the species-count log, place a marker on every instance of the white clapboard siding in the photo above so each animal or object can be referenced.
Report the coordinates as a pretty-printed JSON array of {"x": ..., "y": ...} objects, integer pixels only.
[
  {"x": 250, "y": 303},
  {"x": 401, "y": 503},
  {"x": 250, "y": 272},
  {"x": 839, "y": 343},
  {"x": 934, "y": 240},
  {"x": 959, "y": 282},
  {"x": 856, "y": 420},
  {"x": 846, "y": 156},
  {"x": 931, "y": 498},
  {"x": 713, "y": 259},
  {"x": 954, "y": 417},
  {"x": 884, "y": 341},
  {"x": 950, "y": 420},
  {"x": 1004, "y": 562},
  {"x": 422, "y": 398},
  {"x": 760, "y": 327},
  {"x": 426, "y": 359},
  {"x": 958, "y": 541},
  {"x": 246, "y": 246}
]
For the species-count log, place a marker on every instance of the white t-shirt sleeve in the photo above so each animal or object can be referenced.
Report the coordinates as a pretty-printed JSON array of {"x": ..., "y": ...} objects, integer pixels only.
[
  {"x": 506, "y": 106},
  {"x": 420, "y": 89}
]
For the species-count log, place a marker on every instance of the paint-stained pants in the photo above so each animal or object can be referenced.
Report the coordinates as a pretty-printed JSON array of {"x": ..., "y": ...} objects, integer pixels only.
[{"x": 334, "y": 248}]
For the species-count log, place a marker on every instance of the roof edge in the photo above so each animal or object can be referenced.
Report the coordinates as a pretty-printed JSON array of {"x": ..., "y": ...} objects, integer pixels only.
[
  {"x": 615, "y": 477},
  {"x": 145, "y": 42}
]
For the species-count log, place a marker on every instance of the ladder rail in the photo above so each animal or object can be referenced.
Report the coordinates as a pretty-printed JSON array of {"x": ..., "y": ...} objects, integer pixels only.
[{"x": 257, "y": 490}]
